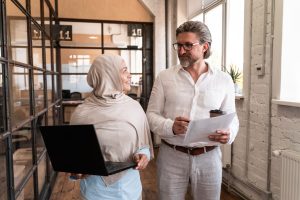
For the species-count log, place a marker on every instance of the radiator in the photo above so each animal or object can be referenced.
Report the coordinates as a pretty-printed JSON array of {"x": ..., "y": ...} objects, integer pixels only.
[
  {"x": 290, "y": 176},
  {"x": 226, "y": 155}
]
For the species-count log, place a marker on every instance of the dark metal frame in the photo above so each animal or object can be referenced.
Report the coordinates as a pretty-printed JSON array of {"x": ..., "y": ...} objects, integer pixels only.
[
  {"x": 147, "y": 74},
  {"x": 6, "y": 136}
]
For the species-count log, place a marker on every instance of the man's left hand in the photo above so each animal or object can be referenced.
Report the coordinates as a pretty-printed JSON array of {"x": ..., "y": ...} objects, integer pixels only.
[
  {"x": 221, "y": 136},
  {"x": 141, "y": 160}
]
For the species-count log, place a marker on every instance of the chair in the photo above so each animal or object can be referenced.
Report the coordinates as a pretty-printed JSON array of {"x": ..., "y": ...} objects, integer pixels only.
[
  {"x": 132, "y": 95},
  {"x": 76, "y": 95}
]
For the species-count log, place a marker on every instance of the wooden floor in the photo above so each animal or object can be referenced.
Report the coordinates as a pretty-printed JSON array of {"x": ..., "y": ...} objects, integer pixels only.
[{"x": 69, "y": 190}]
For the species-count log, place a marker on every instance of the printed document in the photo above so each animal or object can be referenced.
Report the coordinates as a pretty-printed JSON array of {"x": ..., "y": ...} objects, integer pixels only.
[{"x": 198, "y": 130}]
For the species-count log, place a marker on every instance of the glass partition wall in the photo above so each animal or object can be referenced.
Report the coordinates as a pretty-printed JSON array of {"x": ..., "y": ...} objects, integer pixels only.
[
  {"x": 41, "y": 63},
  {"x": 90, "y": 38},
  {"x": 29, "y": 97}
]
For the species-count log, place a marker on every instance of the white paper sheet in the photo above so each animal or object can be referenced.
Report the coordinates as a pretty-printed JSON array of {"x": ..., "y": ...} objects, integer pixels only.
[{"x": 199, "y": 130}]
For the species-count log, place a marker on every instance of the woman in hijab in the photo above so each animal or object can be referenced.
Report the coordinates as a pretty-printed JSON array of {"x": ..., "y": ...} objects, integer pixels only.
[{"x": 121, "y": 126}]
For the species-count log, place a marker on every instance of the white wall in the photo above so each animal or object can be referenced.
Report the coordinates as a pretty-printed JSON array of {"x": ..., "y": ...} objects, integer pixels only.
[{"x": 157, "y": 8}]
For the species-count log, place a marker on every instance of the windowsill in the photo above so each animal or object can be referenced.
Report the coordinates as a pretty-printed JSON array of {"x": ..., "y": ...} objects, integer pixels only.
[
  {"x": 286, "y": 103},
  {"x": 239, "y": 97}
]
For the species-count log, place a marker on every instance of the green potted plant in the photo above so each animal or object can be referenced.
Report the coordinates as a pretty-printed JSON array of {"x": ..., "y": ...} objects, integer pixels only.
[{"x": 235, "y": 74}]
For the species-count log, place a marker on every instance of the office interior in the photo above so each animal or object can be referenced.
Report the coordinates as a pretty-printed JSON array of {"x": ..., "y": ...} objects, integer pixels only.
[{"x": 47, "y": 47}]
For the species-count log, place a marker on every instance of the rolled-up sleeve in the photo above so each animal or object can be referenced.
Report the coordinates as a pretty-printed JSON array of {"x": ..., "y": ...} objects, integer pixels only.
[
  {"x": 228, "y": 106},
  {"x": 158, "y": 124}
]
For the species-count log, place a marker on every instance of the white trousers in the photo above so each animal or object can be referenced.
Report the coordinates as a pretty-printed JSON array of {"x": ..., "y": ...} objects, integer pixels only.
[{"x": 176, "y": 169}]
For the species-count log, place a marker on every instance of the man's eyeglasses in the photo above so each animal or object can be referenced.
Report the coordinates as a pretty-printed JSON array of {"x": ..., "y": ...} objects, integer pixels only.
[{"x": 186, "y": 46}]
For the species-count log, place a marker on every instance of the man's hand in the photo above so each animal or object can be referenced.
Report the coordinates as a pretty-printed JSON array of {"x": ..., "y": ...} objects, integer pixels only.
[
  {"x": 180, "y": 125},
  {"x": 221, "y": 136},
  {"x": 141, "y": 160}
]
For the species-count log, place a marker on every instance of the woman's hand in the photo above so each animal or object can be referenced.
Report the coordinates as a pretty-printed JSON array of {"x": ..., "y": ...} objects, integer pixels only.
[
  {"x": 74, "y": 176},
  {"x": 141, "y": 160}
]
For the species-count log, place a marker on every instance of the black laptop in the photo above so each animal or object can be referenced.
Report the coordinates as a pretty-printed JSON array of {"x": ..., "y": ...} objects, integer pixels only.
[{"x": 75, "y": 149}]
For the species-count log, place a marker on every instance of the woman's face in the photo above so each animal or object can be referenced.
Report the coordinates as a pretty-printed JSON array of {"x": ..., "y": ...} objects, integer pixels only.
[{"x": 125, "y": 78}]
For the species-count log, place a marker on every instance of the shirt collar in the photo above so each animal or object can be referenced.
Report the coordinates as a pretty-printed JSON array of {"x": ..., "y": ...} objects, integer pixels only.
[{"x": 211, "y": 70}]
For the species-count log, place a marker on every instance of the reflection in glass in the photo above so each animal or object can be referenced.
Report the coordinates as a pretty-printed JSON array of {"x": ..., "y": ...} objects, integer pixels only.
[
  {"x": 37, "y": 57},
  {"x": 54, "y": 60},
  {"x": 28, "y": 191},
  {"x": 50, "y": 115},
  {"x": 23, "y": 3},
  {"x": 36, "y": 36},
  {"x": 1, "y": 38},
  {"x": 46, "y": 14},
  {"x": 20, "y": 95},
  {"x": 35, "y": 10},
  {"x": 48, "y": 59},
  {"x": 42, "y": 173},
  {"x": 123, "y": 35},
  {"x": 22, "y": 152},
  {"x": 76, "y": 83},
  {"x": 83, "y": 34},
  {"x": 38, "y": 90},
  {"x": 2, "y": 115},
  {"x": 3, "y": 177},
  {"x": 49, "y": 89},
  {"x": 77, "y": 60},
  {"x": 55, "y": 87},
  {"x": 17, "y": 38}
]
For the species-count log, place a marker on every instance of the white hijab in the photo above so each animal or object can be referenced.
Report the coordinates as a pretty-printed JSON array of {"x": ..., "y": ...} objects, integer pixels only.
[
  {"x": 108, "y": 108},
  {"x": 104, "y": 78}
]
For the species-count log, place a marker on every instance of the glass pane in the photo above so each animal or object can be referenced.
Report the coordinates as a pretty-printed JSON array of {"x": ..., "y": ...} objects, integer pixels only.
[
  {"x": 17, "y": 38},
  {"x": 46, "y": 14},
  {"x": 28, "y": 191},
  {"x": 123, "y": 35},
  {"x": 213, "y": 19},
  {"x": 22, "y": 152},
  {"x": 235, "y": 38},
  {"x": 54, "y": 60},
  {"x": 23, "y": 3},
  {"x": 39, "y": 90},
  {"x": 55, "y": 87},
  {"x": 3, "y": 176},
  {"x": 42, "y": 173},
  {"x": 77, "y": 60},
  {"x": 48, "y": 59},
  {"x": 20, "y": 95},
  {"x": 2, "y": 113},
  {"x": 83, "y": 34},
  {"x": 49, "y": 86},
  {"x": 50, "y": 116},
  {"x": 289, "y": 58},
  {"x": 36, "y": 35},
  {"x": 37, "y": 57},
  {"x": 35, "y": 10},
  {"x": 52, "y": 4},
  {"x": 1, "y": 36},
  {"x": 75, "y": 83}
]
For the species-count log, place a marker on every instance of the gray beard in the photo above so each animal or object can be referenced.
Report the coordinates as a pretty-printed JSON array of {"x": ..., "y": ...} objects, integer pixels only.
[{"x": 186, "y": 62}]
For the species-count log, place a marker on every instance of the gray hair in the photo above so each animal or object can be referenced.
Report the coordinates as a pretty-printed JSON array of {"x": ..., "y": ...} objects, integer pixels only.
[{"x": 200, "y": 29}]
